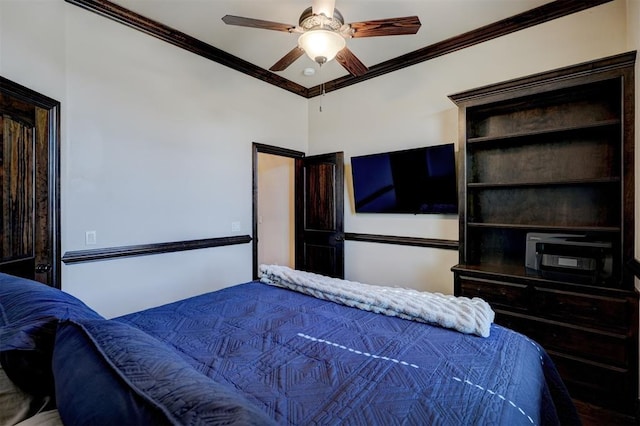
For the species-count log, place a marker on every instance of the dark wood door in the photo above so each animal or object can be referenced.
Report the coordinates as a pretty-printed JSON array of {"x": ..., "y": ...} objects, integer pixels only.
[
  {"x": 319, "y": 214},
  {"x": 25, "y": 205}
]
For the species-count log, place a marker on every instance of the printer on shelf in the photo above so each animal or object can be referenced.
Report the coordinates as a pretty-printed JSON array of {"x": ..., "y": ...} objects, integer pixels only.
[{"x": 570, "y": 257}]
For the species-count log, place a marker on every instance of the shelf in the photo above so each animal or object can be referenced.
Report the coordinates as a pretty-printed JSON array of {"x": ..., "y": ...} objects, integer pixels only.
[
  {"x": 609, "y": 229},
  {"x": 497, "y": 185},
  {"x": 548, "y": 131}
]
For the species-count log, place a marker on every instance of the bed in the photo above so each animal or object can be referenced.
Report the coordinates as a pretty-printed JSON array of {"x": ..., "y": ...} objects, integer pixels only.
[{"x": 259, "y": 353}]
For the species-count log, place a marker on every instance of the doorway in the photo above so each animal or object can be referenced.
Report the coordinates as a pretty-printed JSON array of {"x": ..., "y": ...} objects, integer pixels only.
[
  {"x": 273, "y": 206},
  {"x": 298, "y": 209},
  {"x": 29, "y": 184}
]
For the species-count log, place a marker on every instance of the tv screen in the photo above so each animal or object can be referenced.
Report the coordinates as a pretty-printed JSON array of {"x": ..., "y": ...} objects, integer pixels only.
[{"x": 416, "y": 181}]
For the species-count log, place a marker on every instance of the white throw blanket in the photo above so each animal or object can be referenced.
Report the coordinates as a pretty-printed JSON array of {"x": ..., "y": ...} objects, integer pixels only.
[{"x": 471, "y": 316}]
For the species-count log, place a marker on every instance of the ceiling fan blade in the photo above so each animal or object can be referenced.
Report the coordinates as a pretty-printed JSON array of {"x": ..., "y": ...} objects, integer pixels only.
[
  {"x": 287, "y": 59},
  {"x": 319, "y": 7},
  {"x": 386, "y": 27},
  {"x": 351, "y": 63},
  {"x": 256, "y": 23}
]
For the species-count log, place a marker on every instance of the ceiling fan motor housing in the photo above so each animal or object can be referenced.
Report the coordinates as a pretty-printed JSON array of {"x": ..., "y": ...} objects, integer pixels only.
[{"x": 309, "y": 21}]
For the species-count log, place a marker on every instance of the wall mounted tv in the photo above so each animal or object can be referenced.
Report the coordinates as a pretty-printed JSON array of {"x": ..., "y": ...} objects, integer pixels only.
[{"x": 416, "y": 181}]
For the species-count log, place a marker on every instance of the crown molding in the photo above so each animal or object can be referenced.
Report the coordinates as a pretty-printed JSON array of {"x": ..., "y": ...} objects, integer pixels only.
[
  {"x": 547, "y": 12},
  {"x": 184, "y": 41}
]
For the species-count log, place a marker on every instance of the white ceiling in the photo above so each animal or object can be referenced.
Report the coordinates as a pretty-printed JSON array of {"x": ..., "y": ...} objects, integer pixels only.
[{"x": 441, "y": 19}]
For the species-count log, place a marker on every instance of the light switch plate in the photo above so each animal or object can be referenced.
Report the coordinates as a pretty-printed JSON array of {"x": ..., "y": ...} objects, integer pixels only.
[{"x": 90, "y": 238}]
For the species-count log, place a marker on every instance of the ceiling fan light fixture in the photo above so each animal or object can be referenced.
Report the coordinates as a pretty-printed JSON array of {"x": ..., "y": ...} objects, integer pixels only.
[{"x": 321, "y": 45}]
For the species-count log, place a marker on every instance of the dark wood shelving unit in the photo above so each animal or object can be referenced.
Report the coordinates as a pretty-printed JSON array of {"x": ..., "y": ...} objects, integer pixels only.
[{"x": 554, "y": 153}]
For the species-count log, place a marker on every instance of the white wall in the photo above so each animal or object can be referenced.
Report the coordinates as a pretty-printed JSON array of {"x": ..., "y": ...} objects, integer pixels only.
[
  {"x": 156, "y": 147},
  {"x": 410, "y": 108}
]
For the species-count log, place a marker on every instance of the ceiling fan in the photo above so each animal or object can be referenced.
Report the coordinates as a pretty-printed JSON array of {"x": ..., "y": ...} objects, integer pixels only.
[{"x": 323, "y": 34}]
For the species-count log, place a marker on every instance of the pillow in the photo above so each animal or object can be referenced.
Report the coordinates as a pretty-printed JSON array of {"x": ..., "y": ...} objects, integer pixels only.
[
  {"x": 44, "y": 418},
  {"x": 30, "y": 310},
  {"x": 29, "y": 313},
  {"x": 15, "y": 404},
  {"x": 30, "y": 370},
  {"x": 107, "y": 372}
]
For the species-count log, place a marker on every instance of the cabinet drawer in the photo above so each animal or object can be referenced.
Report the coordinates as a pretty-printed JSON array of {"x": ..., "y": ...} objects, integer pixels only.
[
  {"x": 597, "y": 383},
  {"x": 498, "y": 294},
  {"x": 609, "y": 348},
  {"x": 606, "y": 313}
]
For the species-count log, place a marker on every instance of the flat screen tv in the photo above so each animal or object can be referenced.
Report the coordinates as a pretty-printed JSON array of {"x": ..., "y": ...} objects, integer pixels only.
[{"x": 416, "y": 181}]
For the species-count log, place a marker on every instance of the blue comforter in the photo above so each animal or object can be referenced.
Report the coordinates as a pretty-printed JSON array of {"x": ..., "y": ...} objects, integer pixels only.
[{"x": 305, "y": 361}]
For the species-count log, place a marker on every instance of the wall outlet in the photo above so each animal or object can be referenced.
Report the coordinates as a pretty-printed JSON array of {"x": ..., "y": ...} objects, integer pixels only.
[
  {"x": 235, "y": 226},
  {"x": 90, "y": 238}
]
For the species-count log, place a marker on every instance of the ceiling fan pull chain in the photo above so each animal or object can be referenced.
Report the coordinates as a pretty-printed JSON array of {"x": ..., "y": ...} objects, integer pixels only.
[{"x": 323, "y": 93}]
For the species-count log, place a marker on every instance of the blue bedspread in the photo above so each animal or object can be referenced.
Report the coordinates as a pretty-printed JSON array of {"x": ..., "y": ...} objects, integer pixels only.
[{"x": 305, "y": 361}]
